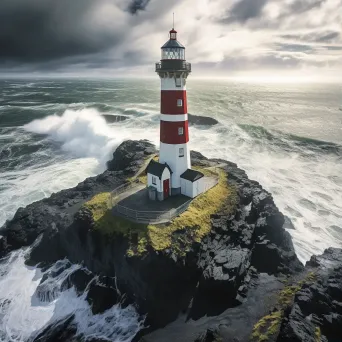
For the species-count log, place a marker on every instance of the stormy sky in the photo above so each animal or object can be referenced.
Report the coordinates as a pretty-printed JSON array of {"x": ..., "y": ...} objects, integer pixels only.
[{"x": 123, "y": 37}]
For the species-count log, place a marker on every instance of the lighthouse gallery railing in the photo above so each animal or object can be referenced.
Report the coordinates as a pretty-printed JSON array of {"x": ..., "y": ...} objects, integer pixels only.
[{"x": 174, "y": 66}]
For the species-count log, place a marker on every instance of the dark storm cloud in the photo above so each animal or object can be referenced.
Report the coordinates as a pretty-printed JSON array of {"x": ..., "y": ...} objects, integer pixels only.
[
  {"x": 295, "y": 48},
  {"x": 247, "y": 10},
  {"x": 314, "y": 37},
  {"x": 47, "y": 29},
  {"x": 41, "y": 31},
  {"x": 244, "y": 10},
  {"x": 333, "y": 48},
  {"x": 300, "y": 6},
  {"x": 137, "y": 5}
]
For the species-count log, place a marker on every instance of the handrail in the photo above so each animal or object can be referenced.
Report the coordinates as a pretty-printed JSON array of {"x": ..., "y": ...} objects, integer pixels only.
[
  {"x": 152, "y": 216},
  {"x": 122, "y": 189},
  {"x": 143, "y": 216}
]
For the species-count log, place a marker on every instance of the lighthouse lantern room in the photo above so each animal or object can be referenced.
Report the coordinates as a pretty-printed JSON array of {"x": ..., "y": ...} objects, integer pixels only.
[{"x": 174, "y": 156}]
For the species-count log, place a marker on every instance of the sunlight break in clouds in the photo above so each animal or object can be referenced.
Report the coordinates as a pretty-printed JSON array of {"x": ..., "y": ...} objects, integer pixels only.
[{"x": 123, "y": 38}]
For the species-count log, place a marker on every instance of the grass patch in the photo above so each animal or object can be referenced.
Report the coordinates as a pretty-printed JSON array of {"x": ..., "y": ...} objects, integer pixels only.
[
  {"x": 318, "y": 334},
  {"x": 110, "y": 225},
  {"x": 268, "y": 326},
  {"x": 221, "y": 197},
  {"x": 180, "y": 233}
]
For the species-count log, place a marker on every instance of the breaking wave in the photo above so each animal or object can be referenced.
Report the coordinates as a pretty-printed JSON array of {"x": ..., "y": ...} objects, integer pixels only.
[
  {"x": 84, "y": 133},
  {"x": 26, "y": 307}
]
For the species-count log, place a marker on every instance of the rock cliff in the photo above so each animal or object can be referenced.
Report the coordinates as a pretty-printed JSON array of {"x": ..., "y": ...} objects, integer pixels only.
[{"x": 216, "y": 286}]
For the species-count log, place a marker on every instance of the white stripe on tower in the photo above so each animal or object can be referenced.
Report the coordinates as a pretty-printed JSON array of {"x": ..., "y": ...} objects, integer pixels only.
[
  {"x": 170, "y": 84},
  {"x": 174, "y": 117}
]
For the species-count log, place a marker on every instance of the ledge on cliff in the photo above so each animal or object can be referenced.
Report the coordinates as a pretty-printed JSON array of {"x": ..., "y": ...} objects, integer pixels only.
[
  {"x": 177, "y": 235},
  {"x": 195, "y": 277}
]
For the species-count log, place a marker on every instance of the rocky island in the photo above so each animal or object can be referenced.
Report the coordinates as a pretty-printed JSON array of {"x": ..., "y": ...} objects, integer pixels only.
[{"x": 224, "y": 270}]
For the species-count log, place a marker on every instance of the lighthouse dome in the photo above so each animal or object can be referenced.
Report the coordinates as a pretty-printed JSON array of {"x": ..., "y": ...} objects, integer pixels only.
[{"x": 173, "y": 49}]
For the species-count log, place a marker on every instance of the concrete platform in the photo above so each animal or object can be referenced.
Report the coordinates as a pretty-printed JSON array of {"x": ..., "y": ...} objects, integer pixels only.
[
  {"x": 135, "y": 205},
  {"x": 140, "y": 201}
]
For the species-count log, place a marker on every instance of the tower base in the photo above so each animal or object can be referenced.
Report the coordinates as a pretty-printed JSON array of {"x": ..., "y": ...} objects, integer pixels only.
[{"x": 175, "y": 191}]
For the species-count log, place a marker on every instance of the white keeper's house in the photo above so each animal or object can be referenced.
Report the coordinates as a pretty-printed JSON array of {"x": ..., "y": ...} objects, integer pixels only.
[{"x": 172, "y": 174}]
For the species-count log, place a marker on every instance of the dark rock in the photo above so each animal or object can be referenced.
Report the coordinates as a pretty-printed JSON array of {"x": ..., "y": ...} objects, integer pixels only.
[
  {"x": 79, "y": 279},
  {"x": 129, "y": 156},
  {"x": 317, "y": 305},
  {"x": 49, "y": 286},
  {"x": 3, "y": 246},
  {"x": 61, "y": 331},
  {"x": 209, "y": 278},
  {"x": 102, "y": 294},
  {"x": 288, "y": 223},
  {"x": 210, "y": 335},
  {"x": 201, "y": 120},
  {"x": 112, "y": 118}
]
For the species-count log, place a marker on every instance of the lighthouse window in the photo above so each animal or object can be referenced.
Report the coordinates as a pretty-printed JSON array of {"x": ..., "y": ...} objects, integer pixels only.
[
  {"x": 178, "y": 82},
  {"x": 181, "y": 152},
  {"x": 154, "y": 180},
  {"x": 180, "y": 130},
  {"x": 179, "y": 103},
  {"x": 173, "y": 53}
]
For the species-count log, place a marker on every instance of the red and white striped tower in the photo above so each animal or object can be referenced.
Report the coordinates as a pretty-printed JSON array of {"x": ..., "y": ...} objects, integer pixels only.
[{"x": 173, "y": 71}]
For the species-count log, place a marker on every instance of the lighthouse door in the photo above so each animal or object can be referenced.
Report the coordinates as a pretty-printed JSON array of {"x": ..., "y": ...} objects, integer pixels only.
[{"x": 166, "y": 187}]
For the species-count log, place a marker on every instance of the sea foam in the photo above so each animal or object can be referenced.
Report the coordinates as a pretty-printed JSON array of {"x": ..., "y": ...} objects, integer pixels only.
[{"x": 23, "y": 313}]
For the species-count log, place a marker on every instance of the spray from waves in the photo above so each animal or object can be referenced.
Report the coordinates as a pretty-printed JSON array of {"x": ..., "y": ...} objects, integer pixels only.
[
  {"x": 307, "y": 187},
  {"x": 20, "y": 188},
  {"x": 84, "y": 133},
  {"x": 24, "y": 309}
]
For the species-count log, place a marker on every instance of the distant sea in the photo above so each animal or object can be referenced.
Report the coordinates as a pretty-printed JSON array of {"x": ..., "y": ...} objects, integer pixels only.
[{"x": 55, "y": 133}]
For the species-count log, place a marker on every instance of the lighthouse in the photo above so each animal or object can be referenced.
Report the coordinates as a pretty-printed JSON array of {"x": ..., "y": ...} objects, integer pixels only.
[{"x": 172, "y": 174}]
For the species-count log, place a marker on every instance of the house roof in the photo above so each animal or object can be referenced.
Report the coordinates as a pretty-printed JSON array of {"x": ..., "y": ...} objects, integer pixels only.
[
  {"x": 155, "y": 168},
  {"x": 192, "y": 175}
]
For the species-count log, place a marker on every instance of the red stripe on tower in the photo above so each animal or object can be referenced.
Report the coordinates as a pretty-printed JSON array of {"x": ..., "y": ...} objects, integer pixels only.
[
  {"x": 174, "y": 132},
  {"x": 173, "y": 102}
]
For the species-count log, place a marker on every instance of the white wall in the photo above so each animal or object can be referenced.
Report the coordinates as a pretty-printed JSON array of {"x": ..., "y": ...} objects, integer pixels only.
[
  {"x": 159, "y": 185},
  {"x": 199, "y": 187},
  {"x": 149, "y": 182},
  {"x": 169, "y": 154},
  {"x": 192, "y": 189},
  {"x": 169, "y": 83},
  {"x": 186, "y": 188}
]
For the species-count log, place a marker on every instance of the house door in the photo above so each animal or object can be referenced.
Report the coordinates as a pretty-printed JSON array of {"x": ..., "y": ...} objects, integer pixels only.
[{"x": 166, "y": 188}]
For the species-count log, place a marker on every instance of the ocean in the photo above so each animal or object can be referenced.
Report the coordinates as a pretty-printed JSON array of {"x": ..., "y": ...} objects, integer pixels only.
[{"x": 54, "y": 134}]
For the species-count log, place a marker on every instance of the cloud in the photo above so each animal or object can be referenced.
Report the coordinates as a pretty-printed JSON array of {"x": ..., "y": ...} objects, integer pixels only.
[
  {"x": 319, "y": 37},
  {"x": 120, "y": 37},
  {"x": 137, "y": 5},
  {"x": 244, "y": 10},
  {"x": 46, "y": 30}
]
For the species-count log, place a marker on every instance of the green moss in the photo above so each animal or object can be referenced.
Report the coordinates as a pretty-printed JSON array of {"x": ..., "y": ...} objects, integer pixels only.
[
  {"x": 179, "y": 234},
  {"x": 197, "y": 217},
  {"x": 287, "y": 294},
  {"x": 269, "y": 325},
  {"x": 110, "y": 225},
  {"x": 318, "y": 334}
]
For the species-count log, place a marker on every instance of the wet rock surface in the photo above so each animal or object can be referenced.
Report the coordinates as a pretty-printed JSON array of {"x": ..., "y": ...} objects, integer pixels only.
[
  {"x": 316, "y": 313},
  {"x": 201, "y": 120},
  {"x": 221, "y": 286},
  {"x": 56, "y": 213},
  {"x": 60, "y": 331}
]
